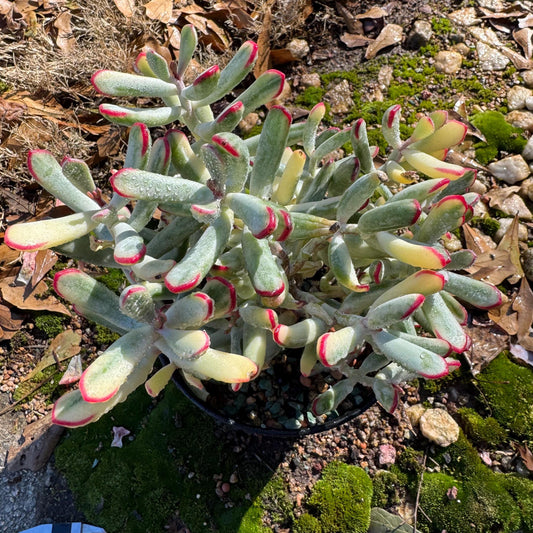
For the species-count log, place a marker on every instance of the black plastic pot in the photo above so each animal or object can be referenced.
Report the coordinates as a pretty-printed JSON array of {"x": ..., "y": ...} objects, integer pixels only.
[{"x": 283, "y": 433}]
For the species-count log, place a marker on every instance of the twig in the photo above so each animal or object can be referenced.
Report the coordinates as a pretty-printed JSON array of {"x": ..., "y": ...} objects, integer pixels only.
[
  {"x": 418, "y": 491},
  {"x": 36, "y": 388}
]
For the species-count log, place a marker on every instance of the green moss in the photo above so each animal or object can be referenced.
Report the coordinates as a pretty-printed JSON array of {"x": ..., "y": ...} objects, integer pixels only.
[
  {"x": 500, "y": 135},
  {"x": 310, "y": 97},
  {"x": 4, "y": 87},
  {"x": 489, "y": 226},
  {"x": 387, "y": 489},
  {"x": 307, "y": 523},
  {"x": 114, "y": 279},
  {"x": 275, "y": 500},
  {"x": 341, "y": 499},
  {"x": 105, "y": 335},
  {"x": 21, "y": 338},
  {"x": 168, "y": 464},
  {"x": 47, "y": 389},
  {"x": 472, "y": 86},
  {"x": 483, "y": 431},
  {"x": 50, "y": 324},
  {"x": 521, "y": 490},
  {"x": 441, "y": 26},
  {"x": 508, "y": 388}
]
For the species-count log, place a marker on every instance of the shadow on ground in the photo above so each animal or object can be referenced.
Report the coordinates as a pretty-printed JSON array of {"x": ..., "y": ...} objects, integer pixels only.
[{"x": 167, "y": 473}]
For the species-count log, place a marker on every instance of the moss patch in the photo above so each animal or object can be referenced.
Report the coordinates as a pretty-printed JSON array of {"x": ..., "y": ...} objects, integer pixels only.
[
  {"x": 508, "y": 388},
  {"x": 167, "y": 466},
  {"x": 483, "y": 431},
  {"x": 50, "y": 324},
  {"x": 500, "y": 135},
  {"x": 341, "y": 499},
  {"x": 114, "y": 279}
]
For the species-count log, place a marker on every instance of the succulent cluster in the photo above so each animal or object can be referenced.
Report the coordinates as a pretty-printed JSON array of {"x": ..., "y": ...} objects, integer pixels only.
[{"x": 236, "y": 249}]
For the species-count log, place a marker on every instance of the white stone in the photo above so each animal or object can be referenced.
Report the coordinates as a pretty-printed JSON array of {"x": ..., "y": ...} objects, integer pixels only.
[
  {"x": 529, "y": 103},
  {"x": 414, "y": 412},
  {"x": 526, "y": 189},
  {"x": 448, "y": 61},
  {"x": 527, "y": 152},
  {"x": 527, "y": 76},
  {"x": 311, "y": 80},
  {"x": 465, "y": 17},
  {"x": 511, "y": 169},
  {"x": 438, "y": 426},
  {"x": 340, "y": 98},
  {"x": 516, "y": 97},
  {"x": 520, "y": 119},
  {"x": 489, "y": 58},
  {"x": 505, "y": 224},
  {"x": 298, "y": 48}
]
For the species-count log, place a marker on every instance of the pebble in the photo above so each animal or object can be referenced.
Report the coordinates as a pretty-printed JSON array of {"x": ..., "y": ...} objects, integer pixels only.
[
  {"x": 420, "y": 35},
  {"x": 526, "y": 189},
  {"x": 527, "y": 76},
  {"x": 514, "y": 205},
  {"x": 527, "y": 263},
  {"x": 299, "y": 48},
  {"x": 311, "y": 80},
  {"x": 387, "y": 454},
  {"x": 385, "y": 75},
  {"x": 529, "y": 103},
  {"x": 511, "y": 169},
  {"x": 438, "y": 426},
  {"x": 465, "y": 17},
  {"x": 448, "y": 61},
  {"x": 505, "y": 224},
  {"x": 520, "y": 119},
  {"x": 527, "y": 152},
  {"x": 489, "y": 58},
  {"x": 248, "y": 122},
  {"x": 516, "y": 97},
  {"x": 340, "y": 98},
  {"x": 414, "y": 412}
]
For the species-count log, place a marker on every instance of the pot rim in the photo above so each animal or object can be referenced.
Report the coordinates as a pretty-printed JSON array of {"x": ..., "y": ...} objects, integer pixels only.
[{"x": 331, "y": 423}]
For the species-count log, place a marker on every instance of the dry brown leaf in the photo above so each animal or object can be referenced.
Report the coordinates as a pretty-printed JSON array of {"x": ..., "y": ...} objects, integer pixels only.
[
  {"x": 526, "y": 455},
  {"x": 65, "y": 39},
  {"x": 493, "y": 267},
  {"x": 354, "y": 26},
  {"x": 524, "y": 38},
  {"x": 11, "y": 111},
  {"x": 523, "y": 305},
  {"x": 62, "y": 347},
  {"x": 159, "y": 10},
  {"x": 35, "y": 301},
  {"x": 263, "y": 42},
  {"x": 520, "y": 62},
  {"x": 389, "y": 36},
  {"x": 281, "y": 56},
  {"x": 509, "y": 243},
  {"x": 487, "y": 344},
  {"x": 373, "y": 13},
  {"x": 355, "y": 41},
  {"x": 526, "y": 22},
  {"x": 109, "y": 144},
  {"x": 505, "y": 317},
  {"x": 8, "y": 256},
  {"x": 477, "y": 241},
  {"x": 9, "y": 320},
  {"x": 126, "y": 7},
  {"x": 232, "y": 10},
  {"x": 10, "y": 16}
]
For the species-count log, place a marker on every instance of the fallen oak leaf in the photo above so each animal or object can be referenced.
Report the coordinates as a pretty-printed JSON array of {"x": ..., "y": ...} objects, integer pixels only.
[
  {"x": 523, "y": 304},
  {"x": 160, "y": 10},
  {"x": 126, "y": 7},
  {"x": 65, "y": 39},
  {"x": 505, "y": 317},
  {"x": 389, "y": 36},
  {"x": 524, "y": 37},
  {"x": 526, "y": 455},
  {"x": 355, "y": 41}
]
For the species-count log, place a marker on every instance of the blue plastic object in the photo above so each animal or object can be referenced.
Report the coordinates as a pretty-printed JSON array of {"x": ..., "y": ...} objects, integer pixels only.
[{"x": 76, "y": 527}]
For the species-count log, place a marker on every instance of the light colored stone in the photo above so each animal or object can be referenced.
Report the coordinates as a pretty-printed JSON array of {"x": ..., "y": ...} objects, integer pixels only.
[
  {"x": 489, "y": 58},
  {"x": 414, "y": 412},
  {"x": 516, "y": 97},
  {"x": 299, "y": 48},
  {"x": 284, "y": 95},
  {"x": 511, "y": 169},
  {"x": 529, "y": 103},
  {"x": 448, "y": 61},
  {"x": 385, "y": 77},
  {"x": 520, "y": 119},
  {"x": 527, "y": 263},
  {"x": 420, "y": 35},
  {"x": 527, "y": 152},
  {"x": 311, "y": 80},
  {"x": 340, "y": 98},
  {"x": 465, "y": 17},
  {"x": 493, "y": 5},
  {"x": 527, "y": 76},
  {"x": 478, "y": 187},
  {"x": 248, "y": 122},
  {"x": 526, "y": 189},
  {"x": 439, "y": 427},
  {"x": 514, "y": 205},
  {"x": 505, "y": 224}
]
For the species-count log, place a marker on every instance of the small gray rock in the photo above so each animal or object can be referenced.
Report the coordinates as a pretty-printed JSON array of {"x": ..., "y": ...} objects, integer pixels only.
[
  {"x": 527, "y": 152},
  {"x": 527, "y": 76},
  {"x": 529, "y": 103},
  {"x": 340, "y": 98},
  {"x": 420, "y": 35},
  {"x": 489, "y": 58},
  {"x": 520, "y": 119},
  {"x": 438, "y": 426},
  {"x": 505, "y": 224},
  {"x": 299, "y": 48},
  {"x": 311, "y": 80},
  {"x": 527, "y": 263},
  {"x": 511, "y": 169},
  {"x": 517, "y": 96},
  {"x": 526, "y": 189},
  {"x": 448, "y": 61}
]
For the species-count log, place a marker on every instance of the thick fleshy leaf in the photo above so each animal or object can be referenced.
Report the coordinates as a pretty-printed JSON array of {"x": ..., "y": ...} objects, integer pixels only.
[
  {"x": 152, "y": 269},
  {"x": 306, "y": 226},
  {"x": 186, "y": 344},
  {"x": 129, "y": 245},
  {"x": 233, "y": 73},
  {"x": 214, "y": 364},
  {"x": 192, "y": 311},
  {"x": 460, "y": 313},
  {"x": 422, "y": 282},
  {"x": 80, "y": 249},
  {"x": 133, "y": 183},
  {"x": 390, "y": 216},
  {"x": 410, "y": 356},
  {"x": 139, "y": 146},
  {"x": 159, "y": 159},
  {"x": 43, "y": 234},
  {"x": 79, "y": 174},
  {"x": 357, "y": 194},
  {"x": 446, "y": 215},
  {"x": 262, "y": 267},
  {"x": 387, "y": 394},
  {"x": 259, "y": 317},
  {"x": 103, "y": 378},
  {"x": 200, "y": 257},
  {"x": 315, "y": 189},
  {"x": 439, "y": 346},
  {"x": 329, "y": 401},
  {"x": 172, "y": 236},
  {"x": 299, "y": 334},
  {"x": 152, "y": 117},
  {"x": 424, "y": 128},
  {"x": 203, "y": 85},
  {"x": 308, "y": 359},
  {"x": 272, "y": 144},
  {"x": 254, "y": 344},
  {"x": 111, "y": 83},
  {"x": 423, "y": 191},
  {"x": 137, "y": 303},
  {"x": 361, "y": 146},
  {"x": 223, "y": 293},
  {"x": 461, "y": 260},
  {"x": 258, "y": 215},
  {"x": 285, "y": 184},
  {"x": 392, "y": 311},
  {"x": 156, "y": 383},
  {"x": 341, "y": 265},
  {"x": 185, "y": 161},
  {"x": 450, "y": 134},
  {"x": 390, "y": 125},
  {"x": 48, "y": 173},
  {"x": 188, "y": 44},
  {"x": 334, "y": 346},
  {"x": 444, "y": 324},
  {"x": 431, "y": 166},
  {"x": 325, "y": 148},
  {"x": 311, "y": 127},
  {"x": 72, "y": 411},
  {"x": 475, "y": 292},
  {"x": 412, "y": 252}
]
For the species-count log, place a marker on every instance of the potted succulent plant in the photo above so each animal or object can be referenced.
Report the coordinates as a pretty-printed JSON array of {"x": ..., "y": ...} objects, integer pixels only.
[{"x": 237, "y": 250}]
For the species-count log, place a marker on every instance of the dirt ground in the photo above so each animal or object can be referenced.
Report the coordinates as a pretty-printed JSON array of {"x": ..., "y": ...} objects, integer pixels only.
[{"x": 50, "y": 104}]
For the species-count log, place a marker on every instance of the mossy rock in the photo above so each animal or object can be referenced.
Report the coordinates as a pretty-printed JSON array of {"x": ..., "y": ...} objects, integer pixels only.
[
  {"x": 508, "y": 388},
  {"x": 388, "y": 490},
  {"x": 483, "y": 431},
  {"x": 499, "y": 134},
  {"x": 341, "y": 499}
]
